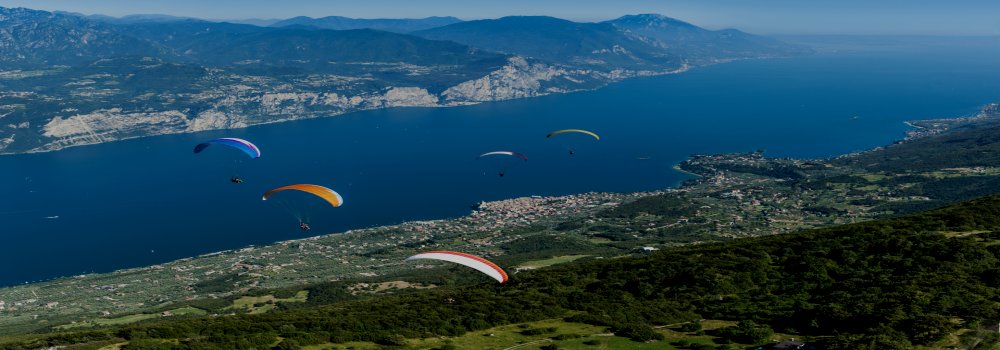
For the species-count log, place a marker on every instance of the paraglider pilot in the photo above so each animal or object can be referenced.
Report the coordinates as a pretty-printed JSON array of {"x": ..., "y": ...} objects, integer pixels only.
[
  {"x": 304, "y": 226},
  {"x": 236, "y": 180}
]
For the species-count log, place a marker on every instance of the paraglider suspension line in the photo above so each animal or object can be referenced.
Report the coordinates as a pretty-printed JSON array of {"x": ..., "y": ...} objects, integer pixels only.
[
  {"x": 236, "y": 168},
  {"x": 291, "y": 209}
]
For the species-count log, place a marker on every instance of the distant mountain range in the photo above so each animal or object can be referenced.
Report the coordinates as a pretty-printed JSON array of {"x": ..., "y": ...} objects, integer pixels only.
[
  {"x": 693, "y": 42},
  {"x": 226, "y": 44},
  {"x": 69, "y": 79},
  {"x": 39, "y": 38},
  {"x": 640, "y": 41},
  {"x": 389, "y": 25},
  {"x": 557, "y": 40},
  {"x": 131, "y": 19}
]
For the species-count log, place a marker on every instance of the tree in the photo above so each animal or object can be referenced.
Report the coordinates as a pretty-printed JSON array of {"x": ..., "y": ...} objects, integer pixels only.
[{"x": 288, "y": 344}]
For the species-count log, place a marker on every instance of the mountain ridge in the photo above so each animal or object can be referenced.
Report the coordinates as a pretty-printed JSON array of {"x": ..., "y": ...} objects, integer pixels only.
[
  {"x": 204, "y": 75},
  {"x": 39, "y": 38},
  {"x": 397, "y": 25},
  {"x": 693, "y": 41},
  {"x": 558, "y": 40}
]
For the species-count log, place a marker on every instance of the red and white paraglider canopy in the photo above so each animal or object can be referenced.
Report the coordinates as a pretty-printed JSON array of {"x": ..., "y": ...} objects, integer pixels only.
[{"x": 480, "y": 264}]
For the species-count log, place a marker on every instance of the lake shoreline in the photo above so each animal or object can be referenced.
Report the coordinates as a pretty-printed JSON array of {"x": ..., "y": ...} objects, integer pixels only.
[
  {"x": 634, "y": 195},
  {"x": 421, "y": 152},
  {"x": 629, "y": 75},
  {"x": 363, "y": 254}
]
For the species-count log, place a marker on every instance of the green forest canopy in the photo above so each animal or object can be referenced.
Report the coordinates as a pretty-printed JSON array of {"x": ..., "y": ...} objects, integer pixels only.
[{"x": 889, "y": 283}]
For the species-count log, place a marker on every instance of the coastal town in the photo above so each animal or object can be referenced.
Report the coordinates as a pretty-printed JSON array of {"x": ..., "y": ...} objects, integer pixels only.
[{"x": 930, "y": 127}]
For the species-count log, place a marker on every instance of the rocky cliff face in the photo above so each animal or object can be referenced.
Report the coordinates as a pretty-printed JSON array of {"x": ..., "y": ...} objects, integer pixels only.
[
  {"x": 404, "y": 97},
  {"x": 518, "y": 79},
  {"x": 109, "y": 125},
  {"x": 105, "y": 125},
  {"x": 228, "y": 101}
]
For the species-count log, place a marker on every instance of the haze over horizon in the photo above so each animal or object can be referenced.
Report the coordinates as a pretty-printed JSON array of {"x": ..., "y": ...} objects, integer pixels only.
[{"x": 788, "y": 17}]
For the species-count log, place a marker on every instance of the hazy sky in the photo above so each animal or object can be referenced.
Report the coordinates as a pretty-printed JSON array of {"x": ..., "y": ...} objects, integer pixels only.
[{"x": 936, "y": 17}]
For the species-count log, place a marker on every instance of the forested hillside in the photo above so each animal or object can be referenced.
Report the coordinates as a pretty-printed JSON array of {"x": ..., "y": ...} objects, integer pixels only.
[{"x": 884, "y": 284}]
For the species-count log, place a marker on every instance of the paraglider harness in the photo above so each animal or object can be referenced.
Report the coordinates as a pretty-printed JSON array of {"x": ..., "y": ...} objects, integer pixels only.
[
  {"x": 236, "y": 180},
  {"x": 304, "y": 226}
]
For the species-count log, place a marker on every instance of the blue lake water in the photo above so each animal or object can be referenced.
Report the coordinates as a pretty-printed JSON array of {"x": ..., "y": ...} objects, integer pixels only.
[{"x": 146, "y": 201}]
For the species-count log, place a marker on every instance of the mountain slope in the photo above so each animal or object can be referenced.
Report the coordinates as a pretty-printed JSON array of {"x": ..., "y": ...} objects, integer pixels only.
[
  {"x": 401, "y": 25},
  {"x": 72, "y": 80},
  {"x": 557, "y": 40},
  {"x": 227, "y": 44},
  {"x": 38, "y": 38},
  {"x": 885, "y": 284},
  {"x": 145, "y": 18},
  {"x": 697, "y": 43},
  {"x": 395, "y": 58}
]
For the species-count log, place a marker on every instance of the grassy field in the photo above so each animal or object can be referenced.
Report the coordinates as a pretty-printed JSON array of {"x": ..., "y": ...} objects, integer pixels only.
[
  {"x": 564, "y": 335},
  {"x": 113, "y": 346},
  {"x": 535, "y": 264},
  {"x": 874, "y": 177},
  {"x": 262, "y": 304},
  {"x": 253, "y": 305},
  {"x": 133, "y": 318},
  {"x": 959, "y": 234}
]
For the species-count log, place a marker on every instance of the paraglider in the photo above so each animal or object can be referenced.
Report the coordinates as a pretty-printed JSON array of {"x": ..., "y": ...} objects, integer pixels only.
[
  {"x": 469, "y": 260},
  {"x": 507, "y": 159},
  {"x": 572, "y": 151},
  {"x": 557, "y": 132},
  {"x": 242, "y": 145},
  {"x": 327, "y": 195}
]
